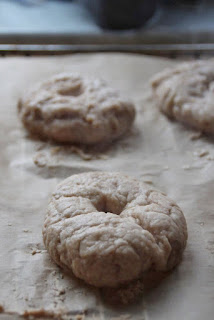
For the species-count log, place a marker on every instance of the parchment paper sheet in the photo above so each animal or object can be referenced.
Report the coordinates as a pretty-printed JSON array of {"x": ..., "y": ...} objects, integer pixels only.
[{"x": 157, "y": 151}]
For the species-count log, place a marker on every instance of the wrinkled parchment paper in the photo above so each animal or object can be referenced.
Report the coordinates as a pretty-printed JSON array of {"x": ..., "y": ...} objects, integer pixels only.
[{"x": 162, "y": 153}]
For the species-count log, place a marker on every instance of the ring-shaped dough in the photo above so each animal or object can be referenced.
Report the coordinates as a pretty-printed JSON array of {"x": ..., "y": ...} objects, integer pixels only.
[
  {"x": 186, "y": 93},
  {"x": 70, "y": 108},
  {"x": 109, "y": 228}
]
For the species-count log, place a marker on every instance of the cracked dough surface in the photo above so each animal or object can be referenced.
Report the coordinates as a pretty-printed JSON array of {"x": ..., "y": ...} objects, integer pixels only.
[
  {"x": 109, "y": 228},
  {"x": 75, "y": 109},
  {"x": 186, "y": 93}
]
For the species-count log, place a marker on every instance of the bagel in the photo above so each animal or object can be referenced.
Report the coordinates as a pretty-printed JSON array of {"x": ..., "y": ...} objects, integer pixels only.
[
  {"x": 70, "y": 108},
  {"x": 186, "y": 93},
  {"x": 108, "y": 228}
]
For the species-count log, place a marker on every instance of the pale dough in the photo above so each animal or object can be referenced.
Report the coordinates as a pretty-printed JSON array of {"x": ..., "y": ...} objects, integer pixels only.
[
  {"x": 186, "y": 93},
  {"x": 109, "y": 228},
  {"x": 71, "y": 108}
]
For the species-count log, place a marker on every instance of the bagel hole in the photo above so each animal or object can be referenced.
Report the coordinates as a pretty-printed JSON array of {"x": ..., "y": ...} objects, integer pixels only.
[
  {"x": 74, "y": 91},
  {"x": 37, "y": 114},
  {"x": 111, "y": 205},
  {"x": 110, "y": 209}
]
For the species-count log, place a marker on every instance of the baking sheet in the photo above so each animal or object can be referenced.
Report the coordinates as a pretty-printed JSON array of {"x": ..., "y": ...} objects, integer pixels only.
[{"x": 157, "y": 151}]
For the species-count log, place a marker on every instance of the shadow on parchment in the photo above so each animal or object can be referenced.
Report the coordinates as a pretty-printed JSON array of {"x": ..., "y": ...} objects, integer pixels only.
[
  {"x": 132, "y": 294},
  {"x": 195, "y": 134},
  {"x": 118, "y": 299}
]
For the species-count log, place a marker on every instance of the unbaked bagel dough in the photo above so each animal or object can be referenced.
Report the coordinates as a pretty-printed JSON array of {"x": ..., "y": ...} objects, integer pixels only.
[
  {"x": 70, "y": 108},
  {"x": 109, "y": 228}
]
